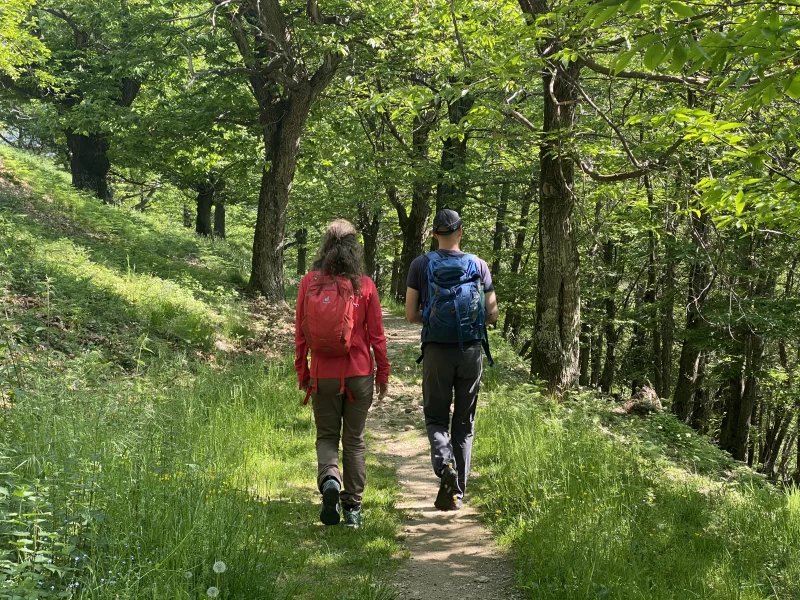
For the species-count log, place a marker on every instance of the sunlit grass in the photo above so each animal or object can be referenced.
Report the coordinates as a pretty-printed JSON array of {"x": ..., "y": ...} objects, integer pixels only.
[{"x": 132, "y": 457}]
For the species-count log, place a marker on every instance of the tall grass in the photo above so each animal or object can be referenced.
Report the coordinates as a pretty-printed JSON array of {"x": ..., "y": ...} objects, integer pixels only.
[{"x": 600, "y": 506}]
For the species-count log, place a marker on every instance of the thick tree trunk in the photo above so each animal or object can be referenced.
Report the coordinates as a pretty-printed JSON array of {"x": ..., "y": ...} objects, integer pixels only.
[
  {"x": 219, "y": 219},
  {"x": 558, "y": 311},
  {"x": 282, "y": 132},
  {"x": 689, "y": 368},
  {"x": 301, "y": 237},
  {"x": 89, "y": 163},
  {"x": 414, "y": 223},
  {"x": 205, "y": 200}
]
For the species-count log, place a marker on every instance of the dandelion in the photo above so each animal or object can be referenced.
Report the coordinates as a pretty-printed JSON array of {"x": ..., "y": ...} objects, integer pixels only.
[
  {"x": 212, "y": 592},
  {"x": 188, "y": 575},
  {"x": 219, "y": 567}
]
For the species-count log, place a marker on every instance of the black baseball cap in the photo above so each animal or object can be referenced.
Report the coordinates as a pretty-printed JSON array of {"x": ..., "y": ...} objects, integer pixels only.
[{"x": 446, "y": 221}]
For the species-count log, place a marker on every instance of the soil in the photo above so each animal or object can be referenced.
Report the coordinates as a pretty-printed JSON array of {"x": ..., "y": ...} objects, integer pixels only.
[{"x": 450, "y": 554}]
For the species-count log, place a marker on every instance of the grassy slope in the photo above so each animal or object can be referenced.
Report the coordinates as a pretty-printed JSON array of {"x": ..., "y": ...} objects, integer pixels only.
[
  {"x": 598, "y": 505},
  {"x": 133, "y": 453}
]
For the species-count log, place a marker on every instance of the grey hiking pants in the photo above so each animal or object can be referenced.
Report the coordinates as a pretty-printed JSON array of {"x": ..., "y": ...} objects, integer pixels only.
[
  {"x": 447, "y": 371},
  {"x": 338, "y": 418}
]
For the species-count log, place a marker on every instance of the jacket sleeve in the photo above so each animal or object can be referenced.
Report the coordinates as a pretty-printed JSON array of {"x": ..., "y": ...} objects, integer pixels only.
[
  {"x": 300, "y": 343},
  {"x": 377, "y": 337}
]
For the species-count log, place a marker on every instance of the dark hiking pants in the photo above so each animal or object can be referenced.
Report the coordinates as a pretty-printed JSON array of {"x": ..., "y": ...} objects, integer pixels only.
[
  {"x": 338, "y": 418},
  {"x": 449, "y": 372}
]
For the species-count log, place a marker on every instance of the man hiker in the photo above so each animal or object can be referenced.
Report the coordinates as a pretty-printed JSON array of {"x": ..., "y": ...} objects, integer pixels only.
[{"x": 451, "y": 294}]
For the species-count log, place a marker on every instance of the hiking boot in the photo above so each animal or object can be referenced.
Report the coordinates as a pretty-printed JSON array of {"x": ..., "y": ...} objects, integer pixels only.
[
  {"x": 330, "y": 503},
  {"x": 353, "y": 518},
  {"x": 446, "y": 499}
]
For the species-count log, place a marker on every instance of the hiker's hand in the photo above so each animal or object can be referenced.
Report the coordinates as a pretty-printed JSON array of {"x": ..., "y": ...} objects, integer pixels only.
[
  {"x": 381, "y": 389},
  {"x": 306, "y": 386}
]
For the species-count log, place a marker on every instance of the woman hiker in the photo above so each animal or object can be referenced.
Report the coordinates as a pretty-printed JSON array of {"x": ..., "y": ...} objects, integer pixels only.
[{"x": 338, "y": 319}]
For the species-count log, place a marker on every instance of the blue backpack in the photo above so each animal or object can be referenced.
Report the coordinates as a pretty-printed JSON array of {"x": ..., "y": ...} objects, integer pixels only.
[{"x": 454, "y": 311}]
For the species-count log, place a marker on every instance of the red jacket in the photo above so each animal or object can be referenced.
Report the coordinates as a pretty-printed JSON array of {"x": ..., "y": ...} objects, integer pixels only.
[{"x": 367, "y": 332}]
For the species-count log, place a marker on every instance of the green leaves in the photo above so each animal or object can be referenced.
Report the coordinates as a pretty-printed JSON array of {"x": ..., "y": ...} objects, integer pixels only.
[
  {"x": 654, "y": 55},
  {"x": 792, "y": 85},
  {"x": 681, "y": 9}
]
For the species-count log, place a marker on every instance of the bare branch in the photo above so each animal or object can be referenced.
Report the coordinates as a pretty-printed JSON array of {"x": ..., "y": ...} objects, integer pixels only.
[
  {"x": 598, "y": 68},
  {"x": 521, "y": 118},
  {"x": 609, "y": 122},
  {"x": 458, "y": 35}
]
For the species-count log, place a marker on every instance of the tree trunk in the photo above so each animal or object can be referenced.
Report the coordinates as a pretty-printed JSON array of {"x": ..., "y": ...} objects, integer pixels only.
[
  {"x": 394, "y": 292},
  {"x": 586, "y": 353},
  {"x": 89, "y": 163},
  {"x": 773, "y": 441},
  {"x": 219, "y": 219},
  {"x": 597, "y": 357},
  {"x": 205, "y": 200},
  {"x": 558, "y": 311},
  {"x": 667, "y": 325},
  {"x": 649, "y": 300},
  {"x": 499, "y": 229},
  {"x": 689, "y": 368},
  {"x": 513, "y": 322},
  {"x": 414, "y": 224},
  {"x": 301, "y": 237},
  {"x": 282, "y": 131},
  {"x": 609, "y": 366},
  {"x": 755, "y": 282},
  {"x": 369, "y": 225},
  {"x": 453, "y": 166}
]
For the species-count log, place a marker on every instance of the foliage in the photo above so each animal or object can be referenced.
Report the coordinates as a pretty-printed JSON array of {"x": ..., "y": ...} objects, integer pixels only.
[{"x": 19, "y": 45}]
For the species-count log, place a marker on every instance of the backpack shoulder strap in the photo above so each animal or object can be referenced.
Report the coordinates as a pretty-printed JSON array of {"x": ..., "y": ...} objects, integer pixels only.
[{"x": 433, "y": 256}]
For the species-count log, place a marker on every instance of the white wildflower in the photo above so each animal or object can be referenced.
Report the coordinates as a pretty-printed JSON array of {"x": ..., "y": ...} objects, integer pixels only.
[
  {"x": 188, "y": 575},
  {"x": 219, "y": 567},
  {"x": 212, "y": 592}
]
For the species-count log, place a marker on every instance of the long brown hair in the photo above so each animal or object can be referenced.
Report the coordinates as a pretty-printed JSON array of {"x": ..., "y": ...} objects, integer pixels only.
[{"x": 340, "y": 253}]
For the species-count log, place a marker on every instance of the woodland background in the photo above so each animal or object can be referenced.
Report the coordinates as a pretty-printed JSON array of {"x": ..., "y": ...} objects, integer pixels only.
[{"x": 629, "y": 169}]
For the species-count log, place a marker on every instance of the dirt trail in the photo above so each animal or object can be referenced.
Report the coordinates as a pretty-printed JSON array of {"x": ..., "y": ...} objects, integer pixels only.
[{"x": 451, "y": 554}]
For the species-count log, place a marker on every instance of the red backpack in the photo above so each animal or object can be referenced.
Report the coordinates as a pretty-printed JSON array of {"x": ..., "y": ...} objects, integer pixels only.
[{"x": 328, "y": 322}]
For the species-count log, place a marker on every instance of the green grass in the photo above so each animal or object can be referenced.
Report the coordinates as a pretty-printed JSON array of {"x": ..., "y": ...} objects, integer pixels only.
[
  {"x": 596, "y": 505},
  {"x": 132, "y": 454}
]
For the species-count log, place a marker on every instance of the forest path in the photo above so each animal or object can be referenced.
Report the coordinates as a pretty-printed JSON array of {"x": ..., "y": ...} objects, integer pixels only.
[{"x": 451, "y": 554}]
